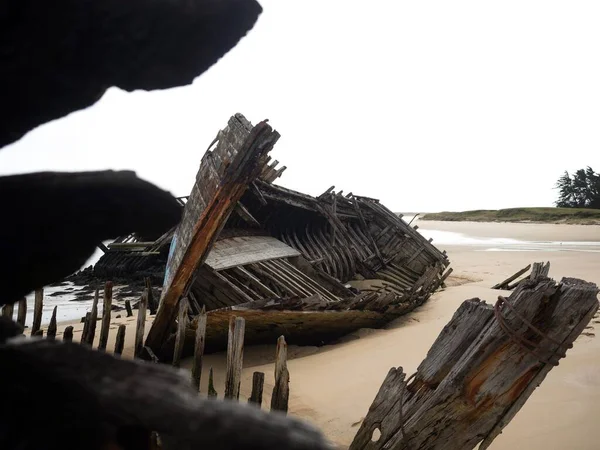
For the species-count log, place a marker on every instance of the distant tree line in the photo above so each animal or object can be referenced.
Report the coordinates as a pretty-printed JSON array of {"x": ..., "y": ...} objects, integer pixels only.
[{"x": 579, "y": 190}]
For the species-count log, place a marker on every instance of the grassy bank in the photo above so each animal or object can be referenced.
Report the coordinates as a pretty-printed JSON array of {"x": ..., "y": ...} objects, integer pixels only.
[{"x": 537, "y": 215}]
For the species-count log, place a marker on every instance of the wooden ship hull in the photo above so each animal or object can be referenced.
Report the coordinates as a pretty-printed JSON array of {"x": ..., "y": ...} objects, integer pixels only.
[{"x": 310, "y": 268}]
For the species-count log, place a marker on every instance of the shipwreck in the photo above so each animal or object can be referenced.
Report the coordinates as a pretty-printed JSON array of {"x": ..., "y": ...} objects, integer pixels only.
[{"x": 309, "y": 268}]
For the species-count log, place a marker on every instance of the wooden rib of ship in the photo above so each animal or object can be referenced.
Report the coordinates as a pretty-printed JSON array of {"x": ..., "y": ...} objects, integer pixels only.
[{"x": 310, "y": 268}]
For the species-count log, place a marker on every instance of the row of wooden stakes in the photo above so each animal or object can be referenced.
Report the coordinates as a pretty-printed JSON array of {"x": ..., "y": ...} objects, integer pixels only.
[
  {"x": 235, "y": 346},
  {"x": 235, "y": 356}
]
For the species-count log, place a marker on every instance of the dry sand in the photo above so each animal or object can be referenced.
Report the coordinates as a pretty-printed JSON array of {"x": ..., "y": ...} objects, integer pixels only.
[{"x": 333, "y": 386}]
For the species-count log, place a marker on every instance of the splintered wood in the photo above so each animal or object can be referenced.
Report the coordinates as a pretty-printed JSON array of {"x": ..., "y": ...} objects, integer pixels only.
[
  {"x": 480, "y": 371},
  {"x": 237, "y": 161},
  {"x": 539, "y": 270}
]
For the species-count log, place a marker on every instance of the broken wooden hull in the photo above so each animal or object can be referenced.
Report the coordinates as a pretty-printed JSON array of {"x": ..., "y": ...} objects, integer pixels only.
[{"x": 302, "y": 321}]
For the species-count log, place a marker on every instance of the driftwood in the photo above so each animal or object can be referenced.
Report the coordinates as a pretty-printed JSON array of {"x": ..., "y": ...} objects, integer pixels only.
[
  {"x": 538, "y": 269},
  {"x": 213, "y": 206},
  {"x": 480, "y": 371},
  {"x": 504, "y": 284}
]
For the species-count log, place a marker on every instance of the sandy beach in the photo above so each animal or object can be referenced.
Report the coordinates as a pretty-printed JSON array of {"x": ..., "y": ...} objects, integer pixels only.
[{"x": 333, "y": 386}]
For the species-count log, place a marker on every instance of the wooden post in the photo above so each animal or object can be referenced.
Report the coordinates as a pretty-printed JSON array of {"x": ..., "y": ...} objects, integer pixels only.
[
  {"x": 86, "y": 327},
  {"x": 281, "y": 390},
  {"x": 120, "y": 341},
  {"x": 91, "y": 331},
  {"x": 235, "y": 357},
  {"x": 481, "y": 369},
  {"x": 128, "y": 308},
  {"x": 37, "y": 311},
  {"x": 258, "y": 381},
  {"x": 108, "y": 287},
  {"x": 68, "y": 334},
  {"x": 141, "y": 322},
  {"x": 8, "y": 310},
  {"x": 51, "y": 333},
  {"x": 211, "y": 385},
  {"x": 152, "y": 303},
  {"x": 181, "y": 326},
  {"x": 199, "y": 348},
  {"x": 22, "y": 313}
]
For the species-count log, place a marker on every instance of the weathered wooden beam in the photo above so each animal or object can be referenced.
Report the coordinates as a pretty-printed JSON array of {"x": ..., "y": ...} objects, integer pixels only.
[
  {"x": 37, "y": 310},
  {"x": 505, "y": 283},
  {"x": 120, "y": 340},
  {"x": 107, "y": 305},
  {"x": 180, "y": 337},
  {"x": 199, "y": 348},
  {"x": 258, "y": 381},
  {"x": 51, "y": 333},
  {"x": 68, "y": 334},
  {"x": 281, "y": 390},
  {"x": 203, "y": 218},
  {"x": 22, "y": 312},
  {"x": 140, "y": 325},
  {"x": 481, "y": 369},
  {"x": 235, "y": 357}
]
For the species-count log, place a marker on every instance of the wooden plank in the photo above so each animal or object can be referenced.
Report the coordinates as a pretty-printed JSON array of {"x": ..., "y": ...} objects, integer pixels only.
[
  {"x": 68, "y": 334},
  {"x": 22, "y": 313},
  {"x": 181, "y": 326},
  {"x": 235, "y": 357},
  {"x": 281, "y": 390},
  {"x": 199, "y": 348},
  {"x": 243, "y": 250},
  {"x": 120, "y": 340},
  {"x": 255, "y": 281},
  {"x": 203, "y": 218},
  {"x": 37, "y": 310},
  {"x": 51, "y": 333},
  {"x": 107, "y": 305},
  {"x": 482, "y": 368},
  {"x": 258, "y": 381},
  {"x": 513, "y": 277},
  {"x": 140, "y": 325}
]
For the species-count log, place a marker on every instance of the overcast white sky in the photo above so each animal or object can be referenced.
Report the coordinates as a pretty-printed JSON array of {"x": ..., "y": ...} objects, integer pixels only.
[{"x": 426, "y": 105}]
